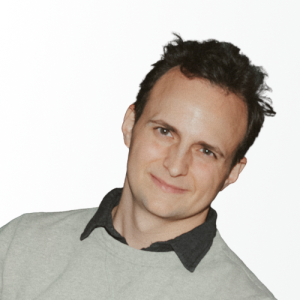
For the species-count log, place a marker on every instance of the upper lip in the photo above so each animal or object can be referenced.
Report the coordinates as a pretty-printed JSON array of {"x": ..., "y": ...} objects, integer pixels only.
[{"x": 169, "y": 185}]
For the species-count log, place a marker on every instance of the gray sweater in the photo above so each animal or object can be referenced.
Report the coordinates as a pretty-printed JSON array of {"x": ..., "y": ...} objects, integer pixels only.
[{"x": 42, "y": 257}]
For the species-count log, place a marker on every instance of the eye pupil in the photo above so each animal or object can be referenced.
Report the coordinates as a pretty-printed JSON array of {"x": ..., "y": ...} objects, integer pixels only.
[
  {"x": 163, "y": 130},
  {"x": 206, "y": 151}
]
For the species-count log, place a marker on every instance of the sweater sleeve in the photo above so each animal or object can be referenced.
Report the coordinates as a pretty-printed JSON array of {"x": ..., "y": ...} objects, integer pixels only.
[{"x": 7, "y": 233}]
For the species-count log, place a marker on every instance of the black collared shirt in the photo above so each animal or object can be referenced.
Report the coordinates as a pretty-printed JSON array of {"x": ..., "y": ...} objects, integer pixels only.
[{"x": 190, "y": 247}]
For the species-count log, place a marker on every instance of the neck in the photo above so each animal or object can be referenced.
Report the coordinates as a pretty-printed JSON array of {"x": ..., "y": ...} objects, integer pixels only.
[{"x": 141, "y": 228}]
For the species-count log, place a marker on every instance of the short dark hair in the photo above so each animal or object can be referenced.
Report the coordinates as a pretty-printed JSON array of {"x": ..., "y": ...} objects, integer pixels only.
[{"x": 223, "y": 65}]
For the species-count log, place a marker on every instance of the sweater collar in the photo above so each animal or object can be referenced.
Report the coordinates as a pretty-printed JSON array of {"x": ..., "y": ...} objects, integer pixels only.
[{"x": 190, "y": 247}]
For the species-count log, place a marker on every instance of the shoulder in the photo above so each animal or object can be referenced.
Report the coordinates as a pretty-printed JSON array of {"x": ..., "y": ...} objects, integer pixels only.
[
  {"x": 231, "y": 272},
  {"x": 39, "y": 228},
  {"x": 52, "y": 220},
  {"x": 72, "y": 219}
]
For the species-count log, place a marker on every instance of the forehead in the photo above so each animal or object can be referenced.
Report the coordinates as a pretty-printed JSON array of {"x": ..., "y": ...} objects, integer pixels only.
[{"x": 198, "y": 109}]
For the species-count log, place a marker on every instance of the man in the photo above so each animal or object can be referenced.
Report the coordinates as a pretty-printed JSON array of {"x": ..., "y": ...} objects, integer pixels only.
[{"x": 197, "y": 113}]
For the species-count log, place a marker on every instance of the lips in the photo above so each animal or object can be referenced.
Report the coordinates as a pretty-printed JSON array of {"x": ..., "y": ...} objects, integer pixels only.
[{"x": 167, "y": 187}]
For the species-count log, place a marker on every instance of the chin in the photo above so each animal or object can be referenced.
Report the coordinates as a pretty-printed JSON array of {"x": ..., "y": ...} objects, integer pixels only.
[{"x": 160, "y": 205}]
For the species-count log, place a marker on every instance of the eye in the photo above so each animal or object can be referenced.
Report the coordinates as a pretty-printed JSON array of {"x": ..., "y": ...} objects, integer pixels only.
[
  {"x": 164, "y": 131},
  {"x": 207, "y": 152}
]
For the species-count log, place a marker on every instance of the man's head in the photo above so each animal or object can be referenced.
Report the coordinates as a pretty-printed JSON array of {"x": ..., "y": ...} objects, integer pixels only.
[
  {"x": 185, "y": 130},
  {"x": 223, "y": 65}
]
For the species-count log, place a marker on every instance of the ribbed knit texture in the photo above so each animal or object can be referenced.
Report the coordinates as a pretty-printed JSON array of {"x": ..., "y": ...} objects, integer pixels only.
[{"x": 42, "y": 257}]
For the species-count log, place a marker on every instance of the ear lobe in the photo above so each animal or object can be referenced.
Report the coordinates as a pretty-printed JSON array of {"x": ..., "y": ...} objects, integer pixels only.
[
  {"x": 235, "y": 172},
  {"x": 128, "y": 124}
]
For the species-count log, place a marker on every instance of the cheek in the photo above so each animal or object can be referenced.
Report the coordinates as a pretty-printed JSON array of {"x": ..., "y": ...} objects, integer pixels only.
[
  {"x": 145, "y": 156},
  {"x": 207, "y": 176},
  {"x": 145, "y": 151},
  {"x": 201, "y": 173}
]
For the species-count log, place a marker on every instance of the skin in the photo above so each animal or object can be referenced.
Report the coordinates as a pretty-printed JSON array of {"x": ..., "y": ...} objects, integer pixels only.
[{"x": 180, "y": 152}]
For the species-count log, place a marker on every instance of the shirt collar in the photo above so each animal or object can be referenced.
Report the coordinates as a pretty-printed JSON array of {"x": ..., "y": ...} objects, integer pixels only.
[{"x": 190, "y": 247}]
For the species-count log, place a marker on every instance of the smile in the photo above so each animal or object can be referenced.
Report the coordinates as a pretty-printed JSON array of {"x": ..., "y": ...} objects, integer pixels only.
[{"x": 167, "y": 187}]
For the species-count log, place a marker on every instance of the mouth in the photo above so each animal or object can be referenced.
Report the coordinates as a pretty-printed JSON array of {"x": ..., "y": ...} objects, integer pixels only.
[{"x": 167, "y": 187}]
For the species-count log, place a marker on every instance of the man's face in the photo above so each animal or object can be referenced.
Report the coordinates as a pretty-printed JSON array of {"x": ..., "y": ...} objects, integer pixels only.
[{"x": 181, "y": 148}]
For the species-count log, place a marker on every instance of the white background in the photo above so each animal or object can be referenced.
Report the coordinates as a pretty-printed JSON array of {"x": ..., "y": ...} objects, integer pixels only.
[{"x": 70, "y": 69}]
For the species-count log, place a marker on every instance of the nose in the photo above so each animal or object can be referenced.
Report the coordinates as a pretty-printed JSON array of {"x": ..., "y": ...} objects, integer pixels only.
[{"x": 177, "y": 161}]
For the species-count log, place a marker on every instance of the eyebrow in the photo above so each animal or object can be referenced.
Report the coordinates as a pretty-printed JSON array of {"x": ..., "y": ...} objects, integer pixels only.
[
  {"x": 201, "y": 143},
  {"x": 166, "y": 125}
]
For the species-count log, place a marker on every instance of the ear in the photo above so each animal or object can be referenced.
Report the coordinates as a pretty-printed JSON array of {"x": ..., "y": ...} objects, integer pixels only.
[
  {"x": 128, "y": 124},
  {"x": 235, "y": 172}
]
